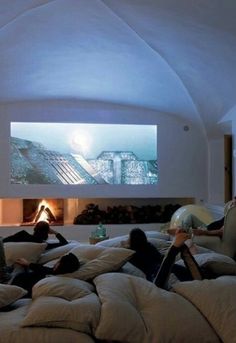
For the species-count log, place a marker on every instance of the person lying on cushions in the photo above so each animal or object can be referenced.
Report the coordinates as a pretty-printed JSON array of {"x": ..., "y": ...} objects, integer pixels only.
[
  {"x": 216, "y": 228},
  {"x": 158, "y": 267},
  {"x": 40, "y": 235},
  {"x": 34, "y": 272},
  {"x": 147, "y": 257}
]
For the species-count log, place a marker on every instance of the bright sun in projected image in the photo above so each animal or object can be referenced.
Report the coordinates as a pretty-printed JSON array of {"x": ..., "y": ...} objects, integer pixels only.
[{"x": 80, "y": 142}]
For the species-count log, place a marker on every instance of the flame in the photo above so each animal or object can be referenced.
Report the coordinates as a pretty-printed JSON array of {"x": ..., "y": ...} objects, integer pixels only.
[{"x": 44, "y": 216}]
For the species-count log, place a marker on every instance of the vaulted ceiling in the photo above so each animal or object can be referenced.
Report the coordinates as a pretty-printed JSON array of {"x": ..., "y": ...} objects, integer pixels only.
[{"x": 176, "y": 57}]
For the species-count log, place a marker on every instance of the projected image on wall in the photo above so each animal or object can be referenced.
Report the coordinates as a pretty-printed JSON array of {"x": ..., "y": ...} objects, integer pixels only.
[{"x": 73, "y": 154}]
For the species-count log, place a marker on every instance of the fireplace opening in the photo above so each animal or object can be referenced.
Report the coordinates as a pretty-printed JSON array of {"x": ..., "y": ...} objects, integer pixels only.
[{"x": 49, "y": 210}]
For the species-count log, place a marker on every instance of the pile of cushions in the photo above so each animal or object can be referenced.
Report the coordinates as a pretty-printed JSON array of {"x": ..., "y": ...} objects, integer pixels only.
[{"x": 198, "y": 311}]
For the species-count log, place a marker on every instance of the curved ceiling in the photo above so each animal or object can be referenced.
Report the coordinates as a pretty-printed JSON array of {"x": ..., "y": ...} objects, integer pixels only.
[{"x": 177, "y": 57}]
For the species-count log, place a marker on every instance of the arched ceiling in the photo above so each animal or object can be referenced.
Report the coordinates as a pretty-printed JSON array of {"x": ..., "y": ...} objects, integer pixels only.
[{"x": 177, "y": 57}]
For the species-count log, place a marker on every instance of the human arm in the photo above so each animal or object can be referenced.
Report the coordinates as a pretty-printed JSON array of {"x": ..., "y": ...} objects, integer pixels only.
[
  {"x": 33, "y": 266},
  {"x": 61, "y": 239}
]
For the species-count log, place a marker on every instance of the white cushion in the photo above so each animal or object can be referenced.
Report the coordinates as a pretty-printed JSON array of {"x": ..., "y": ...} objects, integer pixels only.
[
  {"x": 87, "y": 251},
  {"x": 100, "y": 260},
  {"x": 113, "y": 242},
  {"x": 153, "y": 236},
  {"x": 162, "y": 245},
  {"x": 12, "y": 332},
  {"x": 129, "y": 268},
  {"x": 219, "y": 264},
  {"x": 80, "y": 314},
  {"x": 216, "y": 300},
  {"x": 158, "y": 235},
  {"x": 62, "y": 287},
  {"x": 29, "y": 251},
  {"x": 10, "y": 293},
  {"x": 136, "y": 311},
  {"x": 54, "y": 253}
]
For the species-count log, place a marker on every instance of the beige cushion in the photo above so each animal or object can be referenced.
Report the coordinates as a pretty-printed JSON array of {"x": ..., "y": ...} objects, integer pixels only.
[
  {"x": 81, "y": 314},
  {"x": 10, "y": 293},
  {"x": 216, "y": 300},
  {"x": 99, "y": 260},
  {"x": 136, "y": 311},
  {"x": 62, "y": 287},
  {"x": 30, "y": 251}
]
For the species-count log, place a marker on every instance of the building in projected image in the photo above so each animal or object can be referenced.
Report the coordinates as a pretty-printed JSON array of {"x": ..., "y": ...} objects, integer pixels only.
[{"x": 32, "y": 163}]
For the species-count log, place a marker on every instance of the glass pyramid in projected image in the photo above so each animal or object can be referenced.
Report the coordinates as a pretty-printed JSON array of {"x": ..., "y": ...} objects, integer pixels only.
[{"x": 31, "y": 163}]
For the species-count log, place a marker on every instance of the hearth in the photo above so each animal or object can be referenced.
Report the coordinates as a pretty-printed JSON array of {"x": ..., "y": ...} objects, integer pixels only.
[{"x": 49, "y": 210}]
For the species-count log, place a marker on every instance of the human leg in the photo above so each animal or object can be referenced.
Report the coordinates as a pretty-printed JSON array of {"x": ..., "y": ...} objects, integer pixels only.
[
  {"x": 26, "y": 280},
  {"x": 191, "y": 263},
  {"x": 164, "y": 271},
  {"x": 192, "y": 270}
]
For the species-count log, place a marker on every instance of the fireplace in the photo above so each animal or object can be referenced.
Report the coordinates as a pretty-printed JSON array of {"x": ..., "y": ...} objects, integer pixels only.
[{"x": 49, "y": 210}]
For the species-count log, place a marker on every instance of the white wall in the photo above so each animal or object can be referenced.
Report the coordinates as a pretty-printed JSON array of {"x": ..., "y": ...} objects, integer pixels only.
[
  {"x": 216, "y": 171},
  {"x": 234, "y": 155},
  {"x": 182, "y": 155}
]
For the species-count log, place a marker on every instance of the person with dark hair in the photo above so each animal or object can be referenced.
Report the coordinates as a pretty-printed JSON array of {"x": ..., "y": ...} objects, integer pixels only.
[
  {"x": 35, "y": 272},
  {"x": 151, "y": 262},
  {"x": 40, "y": 235},
  {"x": 147, "y": 257}
]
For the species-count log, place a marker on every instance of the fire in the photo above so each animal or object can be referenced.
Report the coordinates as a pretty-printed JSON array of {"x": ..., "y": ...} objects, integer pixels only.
[{"x": 44, "y": 212}]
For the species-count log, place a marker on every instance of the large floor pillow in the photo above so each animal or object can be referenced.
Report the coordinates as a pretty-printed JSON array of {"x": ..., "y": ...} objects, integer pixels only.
[
  {"x": 64, "y": 303},
  {"x": 216, "y": 300},
  {"x": 12, "y": 332},
  {"x": 136, "y": 311}
]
